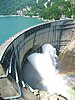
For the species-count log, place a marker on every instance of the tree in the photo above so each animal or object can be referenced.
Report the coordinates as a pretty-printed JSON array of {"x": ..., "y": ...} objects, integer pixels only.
[{"x": 58, "y": 8}]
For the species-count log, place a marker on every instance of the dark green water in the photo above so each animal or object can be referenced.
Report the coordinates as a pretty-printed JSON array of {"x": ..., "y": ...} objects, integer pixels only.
[{"x": 11, "y": 25}]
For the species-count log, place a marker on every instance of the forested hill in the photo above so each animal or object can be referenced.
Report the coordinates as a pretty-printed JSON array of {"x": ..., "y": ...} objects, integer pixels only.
[
  {"x": 11, "y": 6},
  {"x": 48, "y": 9}
]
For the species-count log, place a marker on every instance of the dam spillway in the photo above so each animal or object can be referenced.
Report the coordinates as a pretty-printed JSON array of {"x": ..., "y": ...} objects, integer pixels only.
[{"x": 14, "y": 51}]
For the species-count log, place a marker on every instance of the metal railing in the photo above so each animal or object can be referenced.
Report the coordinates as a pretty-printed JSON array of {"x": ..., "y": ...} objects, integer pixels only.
[
  {"x": 18, "y": 86},
  {"x": 8, "y": 71}
]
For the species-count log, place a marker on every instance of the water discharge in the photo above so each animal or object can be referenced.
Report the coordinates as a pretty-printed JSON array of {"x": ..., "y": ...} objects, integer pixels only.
[{"x": 48, "y": 77}]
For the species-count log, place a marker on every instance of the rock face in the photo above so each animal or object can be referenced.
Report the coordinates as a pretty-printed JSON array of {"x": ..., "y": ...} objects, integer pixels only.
[
  {"x": 46, "y": 96},
  {"x": 67, "y": 66},
  {"x": 67, "y": 58},
  {"x": 42, "y": 95}
]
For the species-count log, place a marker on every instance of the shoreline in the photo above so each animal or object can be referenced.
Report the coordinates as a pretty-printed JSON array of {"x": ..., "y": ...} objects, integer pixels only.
[
  {"x": 8, "y": 15},
  {"x": 45, "y": 20},
  {"x": 13, "y": 16}
]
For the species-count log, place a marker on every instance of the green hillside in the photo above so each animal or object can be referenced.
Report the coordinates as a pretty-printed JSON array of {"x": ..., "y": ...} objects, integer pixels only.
[
  {"x": 11, "y": 6},
  {"x": 54, "y": 9},
  {"x": 57, "y": 9}
]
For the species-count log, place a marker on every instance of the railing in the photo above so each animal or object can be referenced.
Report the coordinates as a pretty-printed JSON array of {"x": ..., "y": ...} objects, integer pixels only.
[
  {"x": 17, "y": 82},
  {"x": 8, "y": 71}
]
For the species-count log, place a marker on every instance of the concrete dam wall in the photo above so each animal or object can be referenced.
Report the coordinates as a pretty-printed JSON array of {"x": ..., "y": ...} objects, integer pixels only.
[{"x": 15, "y": 50}]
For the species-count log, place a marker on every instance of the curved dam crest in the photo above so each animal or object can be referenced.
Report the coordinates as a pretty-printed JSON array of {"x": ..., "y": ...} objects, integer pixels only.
[{"x": 16, "y": 49}]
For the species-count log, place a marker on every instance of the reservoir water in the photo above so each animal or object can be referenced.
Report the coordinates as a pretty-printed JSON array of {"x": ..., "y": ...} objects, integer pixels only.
[{"x": 10, "y": 25}]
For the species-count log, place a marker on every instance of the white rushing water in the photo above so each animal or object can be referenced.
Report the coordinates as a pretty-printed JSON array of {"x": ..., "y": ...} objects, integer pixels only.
[{"x": 45, "y": 63}]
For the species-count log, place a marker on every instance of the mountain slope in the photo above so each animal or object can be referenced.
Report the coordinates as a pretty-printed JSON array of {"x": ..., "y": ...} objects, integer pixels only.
[
  {"x": 11, "y": 6},
  {"x": 48, "y": 9}
]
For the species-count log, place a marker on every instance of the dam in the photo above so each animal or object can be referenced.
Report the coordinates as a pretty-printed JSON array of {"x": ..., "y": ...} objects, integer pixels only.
[{"x": 15, "y": 50}]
